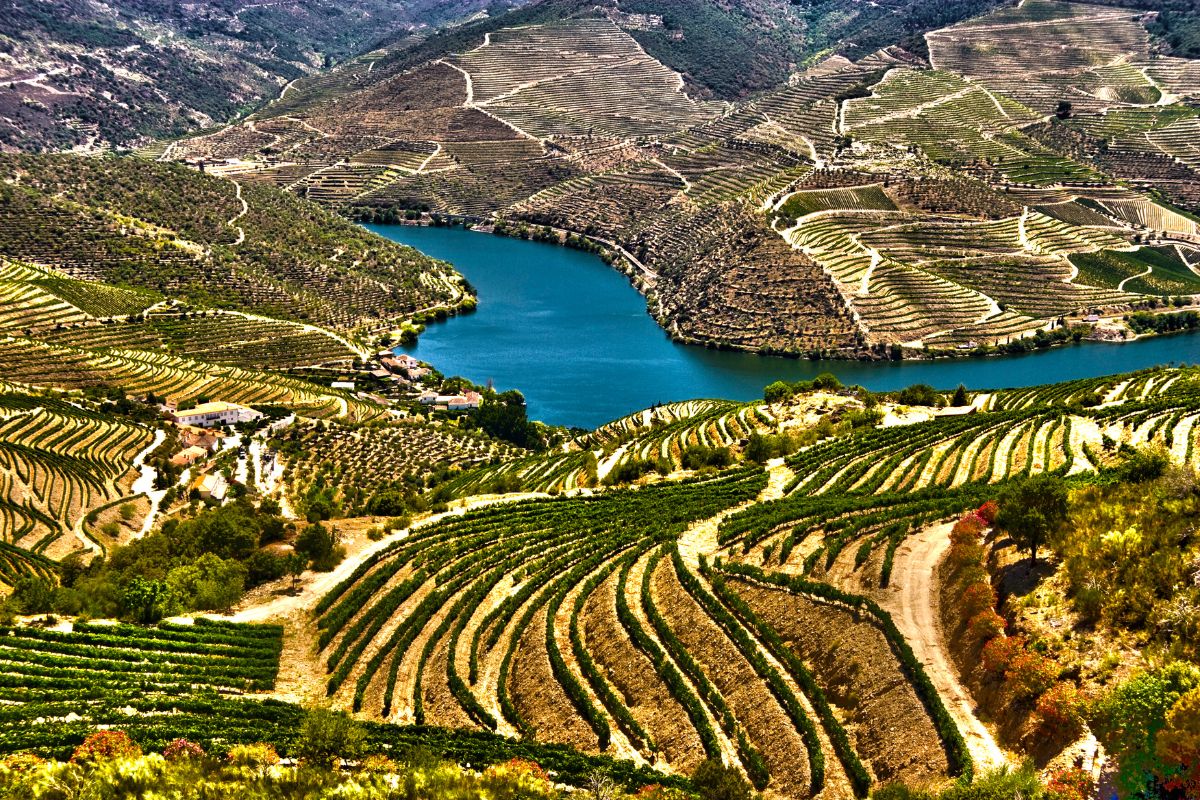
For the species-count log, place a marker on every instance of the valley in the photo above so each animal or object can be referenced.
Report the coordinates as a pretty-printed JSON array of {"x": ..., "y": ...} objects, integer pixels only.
[{"x": 672, "y": 401}]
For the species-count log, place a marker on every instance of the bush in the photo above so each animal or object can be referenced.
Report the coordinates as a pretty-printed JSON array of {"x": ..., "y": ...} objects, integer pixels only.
[
  {"x": 998, "y": 784},
  {"x": 182, "y": 750},
  {"x": 987, "y": 512},
  {"x": 326, "y": 737},
  {"x": 1178, "y": 746},
  {"x": 105, "y": 746},
  {"x": 977, "y": 598},
  {"x": 1030, "y": 674},
  {"x": 999, "y": 653},
  {"x": 967, "y": 530},
  {"x": 966, "y": 555},
  {"x": 1143, "y": 465},
  {"x": 1128, "y": 719},
  {"x": 1088, "y": 600},
  {"x": 700, "y": 456},
  {"x": 259, "y": 756},
  {"x": 1070, "y": 784},
  {"x": 20, "y": 763},
  {"x": 715, "y": 781},
  {"x": 1062, "y": 707},
  {"x": 525, "y": 774},
  {"x": 985, "y": 625}
]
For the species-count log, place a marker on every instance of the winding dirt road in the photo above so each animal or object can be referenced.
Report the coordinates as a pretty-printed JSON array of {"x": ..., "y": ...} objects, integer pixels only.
[{"x": 913, "y": 602}]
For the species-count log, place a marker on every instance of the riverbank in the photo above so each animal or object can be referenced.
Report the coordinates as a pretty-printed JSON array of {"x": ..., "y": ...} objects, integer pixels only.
[{"x": 1108, "y": 328}]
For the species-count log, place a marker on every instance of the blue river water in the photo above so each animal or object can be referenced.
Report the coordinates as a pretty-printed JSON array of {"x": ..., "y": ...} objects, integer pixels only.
[{"x": 575, "y": 338}]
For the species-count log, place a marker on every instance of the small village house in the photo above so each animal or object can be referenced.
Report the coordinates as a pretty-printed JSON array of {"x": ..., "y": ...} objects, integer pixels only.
[{"x": 188, "y": 456}]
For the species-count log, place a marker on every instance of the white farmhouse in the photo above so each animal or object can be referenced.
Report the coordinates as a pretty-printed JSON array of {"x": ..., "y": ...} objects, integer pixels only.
[{"x": 211, "y": 415}]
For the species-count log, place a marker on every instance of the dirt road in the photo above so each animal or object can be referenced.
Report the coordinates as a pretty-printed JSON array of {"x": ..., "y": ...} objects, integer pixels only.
[{"x": 914, "y": 603}]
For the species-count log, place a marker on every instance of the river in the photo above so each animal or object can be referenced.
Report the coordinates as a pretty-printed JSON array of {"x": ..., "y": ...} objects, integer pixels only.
[{"x": 575, "y": 338}]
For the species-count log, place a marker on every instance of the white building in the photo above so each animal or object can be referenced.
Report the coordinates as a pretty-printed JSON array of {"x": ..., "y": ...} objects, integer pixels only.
[
  {"x": 213, "y": 485},
  {"x": 462, "y": 402},
  {"x": 211, "y": 415},
  {"x": 406, "y": 362}
]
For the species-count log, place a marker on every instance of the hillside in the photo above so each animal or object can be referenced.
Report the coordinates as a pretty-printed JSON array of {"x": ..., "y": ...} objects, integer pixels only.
[
  {"x": 78, "y": 73},
  {"x": 168, "y": 233},
  {"x": 866, "y": 207}
]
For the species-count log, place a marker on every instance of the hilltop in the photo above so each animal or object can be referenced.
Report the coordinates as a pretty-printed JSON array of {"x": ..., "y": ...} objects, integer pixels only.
[{"x": 85, "y": 74}]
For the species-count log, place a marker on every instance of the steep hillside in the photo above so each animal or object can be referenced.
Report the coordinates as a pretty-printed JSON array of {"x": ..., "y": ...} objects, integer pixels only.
[
  {"x": 85, "y": 73},
  {"x": 1176, "y": 23}
]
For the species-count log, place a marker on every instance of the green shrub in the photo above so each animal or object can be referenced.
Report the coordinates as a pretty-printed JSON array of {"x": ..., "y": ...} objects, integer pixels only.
[
  {"x": 715, "y": 781},
  {"x": 327, "y": 737},
  {"x": 1128, "y": 719}
]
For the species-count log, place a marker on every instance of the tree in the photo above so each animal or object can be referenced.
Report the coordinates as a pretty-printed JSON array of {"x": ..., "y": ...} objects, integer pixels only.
[
  {"x": 146, "y": 601},
  {"x": 920, "y": 394},
  {"x": 1129, "y": 719},
  {"x": 316, "y": 542},
  {"x": 326, "y": 737},
  {"x": 1032, "y": 509},
  {"x": 209, "y": 583},
  {"x": 715, "y": 781},
  {"x": 777, "y": 392},
  {"x": 504, "y": 416},
  {"x": 960, "y": 397},
  {"x": 295, "y": 568},
  {"x": 33, "y": 595},
  {"x": 1063, "y": 109}
]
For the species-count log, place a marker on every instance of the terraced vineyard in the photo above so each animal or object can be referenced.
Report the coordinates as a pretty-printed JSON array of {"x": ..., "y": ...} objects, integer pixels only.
[
  {"x": 504, "y": 617},
  {"x": 142, "y": 372},
  {"x": 60, "y": 462},
  {"x": 157, "y": 683},
  {"x": 662, "y": 436},
  {"x": 852, "y": 502},
  {"x": 678, "y": 620}
]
